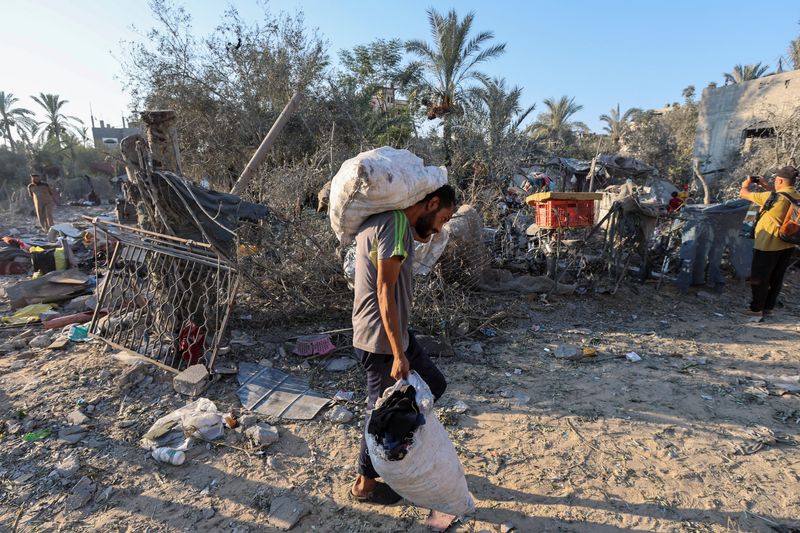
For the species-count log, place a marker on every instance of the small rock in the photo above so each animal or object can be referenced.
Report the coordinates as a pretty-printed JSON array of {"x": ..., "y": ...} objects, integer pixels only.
[
  {"x": 507, "y": 527},
  {"x": 566, "y": 351},
  {"x": 262, "y": 434},
  {"x": 705, "y": 296},
  {"x": 340, "y": 364},
  {"x": 90, "y": 408},
  {"x": 191, "y": 381},
  {"x": 71, "y": 434},
  {"x": 476, "y": 348},
  {"x": 105, "y": 495},
  {"x": 340, "y": 415},
  {"x": 77, "y": 418},
  {"x": 516, "y": 397},
  {"x": 208, "y": 513},
  {"x": 633, "y": 357},
  {"x": 81, "y": 493},
  {"x": 435, "y": 346},
  {"x": 462, "y": 329},
  {"x": 343, "y": 396},
  {"x": 265, "y": 362},
  {"x": 248, "y": 420},
  {"x": 41, "y": 341},
  {"x": 285, "y": 512},
  {"x": 460, "y": 407},
  {"x": 126, "y": 423},
  {"x": 68, "y": 466}
]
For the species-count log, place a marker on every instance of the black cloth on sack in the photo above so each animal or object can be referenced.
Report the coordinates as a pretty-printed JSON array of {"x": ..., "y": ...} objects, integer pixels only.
[{"x": 394, "y": 422}]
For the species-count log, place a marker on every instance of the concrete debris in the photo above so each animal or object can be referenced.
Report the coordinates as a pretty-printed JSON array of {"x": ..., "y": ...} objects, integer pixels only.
[
  {"x": 77, "y": 418},
  {"x": 71, "y": 434},
  {"x": 285, "y": 512},
  {"x": 248, "y": 420},
  {"x": 565, "y": 351},
  {"x": 41, "y": 341},
  {"x": 192, "y": 381},
  {"x": 262, "y": 434},
  {"x": 81, "y": 493},
  {"x": 68, "y": 466},
  {"x": 340, "y": 415},
  {"x": 341, "y": 364}
]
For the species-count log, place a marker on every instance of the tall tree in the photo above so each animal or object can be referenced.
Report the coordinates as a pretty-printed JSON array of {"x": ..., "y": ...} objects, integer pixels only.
[
  {"x": 794, "y": 53},
  {"x": 742, "y": 73},
  {"x": 617, "y": 123},
  {"x": 11, "y": 116},
  {"x": 451, "y": 61},
  {"x": 56, "y": 124},
  {"x": 554, "y": 124},
  {"x": 503, "y": 109},
  {"x": 498, "y": 115}
]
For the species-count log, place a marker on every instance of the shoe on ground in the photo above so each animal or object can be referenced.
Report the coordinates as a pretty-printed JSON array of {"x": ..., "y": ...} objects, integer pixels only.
[{"x": 749, "y": 312}]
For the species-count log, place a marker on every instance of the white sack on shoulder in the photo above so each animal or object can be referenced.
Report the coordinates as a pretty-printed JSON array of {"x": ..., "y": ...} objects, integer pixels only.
[
  {"x": 377, "y": 181},
  {"x": 430, "y": 475}
]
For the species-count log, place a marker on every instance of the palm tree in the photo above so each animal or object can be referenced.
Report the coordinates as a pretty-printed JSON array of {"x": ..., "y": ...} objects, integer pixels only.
[
  {"x": 56, "y": 123},
  {"x": 745, "y": 73},
  {"x": 794, "y": 53},
  {"x": 502, "y": 108},
  {"x": 11, "y": 116},
  {"x": 451, "y": 61},
  {"x": 618, "y": 123},
  {"x": 554, "y": 124}
]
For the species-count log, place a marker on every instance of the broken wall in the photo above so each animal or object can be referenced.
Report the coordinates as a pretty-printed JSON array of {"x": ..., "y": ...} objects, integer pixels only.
[{"x": 727, "y": 115}]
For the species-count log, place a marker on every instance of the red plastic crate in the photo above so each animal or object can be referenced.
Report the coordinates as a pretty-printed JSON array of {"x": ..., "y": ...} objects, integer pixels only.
[{"x": 552, "y": 214}]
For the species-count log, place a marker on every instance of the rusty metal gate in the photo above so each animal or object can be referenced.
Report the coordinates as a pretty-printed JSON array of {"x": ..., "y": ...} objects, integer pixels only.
[{"x": 165, "y": 298}]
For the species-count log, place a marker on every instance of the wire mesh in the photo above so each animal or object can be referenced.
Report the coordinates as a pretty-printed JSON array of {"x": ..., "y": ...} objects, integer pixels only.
[{"x": 164, "y": 298}]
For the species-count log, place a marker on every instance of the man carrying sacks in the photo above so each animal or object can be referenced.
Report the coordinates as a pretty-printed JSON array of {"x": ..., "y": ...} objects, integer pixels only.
[
  {"x": 383, "y": 293},
  {"x": 772, "y": 254}
]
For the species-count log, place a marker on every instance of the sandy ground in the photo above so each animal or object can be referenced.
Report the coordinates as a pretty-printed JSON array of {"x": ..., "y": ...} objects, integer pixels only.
[{"x": 696, "y": 436}]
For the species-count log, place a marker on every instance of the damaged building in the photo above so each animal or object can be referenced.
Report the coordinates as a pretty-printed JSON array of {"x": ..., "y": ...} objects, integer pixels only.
[{"x": 732, "y": 117}]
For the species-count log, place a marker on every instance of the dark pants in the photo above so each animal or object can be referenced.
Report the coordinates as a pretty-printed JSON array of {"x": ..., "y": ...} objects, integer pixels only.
[
  {"x": 379, "y": 367},
  {"x": 766, "y": 277}
]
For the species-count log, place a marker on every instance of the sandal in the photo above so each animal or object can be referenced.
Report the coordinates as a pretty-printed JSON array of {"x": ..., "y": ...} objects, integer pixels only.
[{"x": 381, "y": 495}]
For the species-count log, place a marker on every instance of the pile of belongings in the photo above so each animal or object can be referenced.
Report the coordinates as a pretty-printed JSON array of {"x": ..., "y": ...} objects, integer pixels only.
[
  {"x": 15, "y": 257},
  {"x": 394, "y": 422}
]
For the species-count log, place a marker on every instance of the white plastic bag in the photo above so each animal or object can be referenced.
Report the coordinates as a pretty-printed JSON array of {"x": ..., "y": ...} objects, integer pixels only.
[
  {"x": 430, "y": 475},
  {"x": 377, "y": 181}
]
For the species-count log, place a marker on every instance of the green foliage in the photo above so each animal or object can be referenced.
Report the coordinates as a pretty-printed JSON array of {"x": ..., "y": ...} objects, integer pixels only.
[
  {"x": 450, "y": 62},
  {"x": 741, "y": 73},
  {"x": 554, "y": 127},
  {"x": 13, "y": 167},
  {"x": 12, "y": 117},
  {"x": 617, "y": 123},
  {"x": 56, "y": 124}
]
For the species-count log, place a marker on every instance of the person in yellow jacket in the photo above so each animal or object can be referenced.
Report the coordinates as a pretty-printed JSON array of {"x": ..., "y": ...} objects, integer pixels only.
[
  {"x": 771, "y": 255},
  {"x": 44, "y": 201}
]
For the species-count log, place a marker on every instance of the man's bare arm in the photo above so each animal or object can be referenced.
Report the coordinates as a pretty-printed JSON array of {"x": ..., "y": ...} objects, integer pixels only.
[{"x": 388, "y": 274}]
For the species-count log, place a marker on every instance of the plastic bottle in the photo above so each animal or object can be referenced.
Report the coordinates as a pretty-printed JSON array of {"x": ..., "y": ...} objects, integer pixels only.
[{"x": 168, "y": 455}]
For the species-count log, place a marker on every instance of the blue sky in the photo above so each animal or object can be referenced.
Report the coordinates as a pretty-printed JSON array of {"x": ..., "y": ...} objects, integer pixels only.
[{"x": 635, "y": 53}]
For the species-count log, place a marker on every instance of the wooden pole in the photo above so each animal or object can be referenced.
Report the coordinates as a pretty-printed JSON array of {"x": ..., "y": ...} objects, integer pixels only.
[
  {"x": 706, "y": 192},
  {"x": 258, "y": 157}
]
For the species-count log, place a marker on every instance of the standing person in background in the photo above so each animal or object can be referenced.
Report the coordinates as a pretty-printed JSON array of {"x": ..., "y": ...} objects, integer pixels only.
[
  {"x": 771, "y": 256},
  {"x": 44, "y": 201}
]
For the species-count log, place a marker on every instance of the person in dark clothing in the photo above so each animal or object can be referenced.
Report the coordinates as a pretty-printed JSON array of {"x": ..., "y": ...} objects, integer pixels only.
[
  {"x": 771, "y": 255},
  {"x": 381, "y": 309}
]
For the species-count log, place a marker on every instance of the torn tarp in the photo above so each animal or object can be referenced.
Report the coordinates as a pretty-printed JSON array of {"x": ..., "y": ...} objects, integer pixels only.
[
  {"x": 214, "y": 216},
  {"x": 707, "y": 232}
]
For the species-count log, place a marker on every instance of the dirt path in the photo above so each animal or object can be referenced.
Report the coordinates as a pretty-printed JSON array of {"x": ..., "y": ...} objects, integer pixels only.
[{"x": 695, "y": 437}]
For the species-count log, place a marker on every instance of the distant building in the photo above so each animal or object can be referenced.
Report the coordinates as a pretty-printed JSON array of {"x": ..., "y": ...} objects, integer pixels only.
[
  {"x": 733, "y": 116},
  {"x": 385, "y": 99},
  {"x": 109, "y": 137}
]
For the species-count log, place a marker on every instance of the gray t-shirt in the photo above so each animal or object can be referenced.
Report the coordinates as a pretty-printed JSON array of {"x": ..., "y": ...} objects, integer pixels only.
[{"x": 381, "y": 237}]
